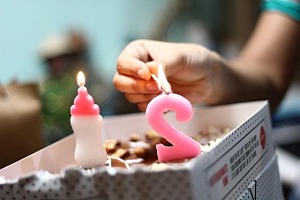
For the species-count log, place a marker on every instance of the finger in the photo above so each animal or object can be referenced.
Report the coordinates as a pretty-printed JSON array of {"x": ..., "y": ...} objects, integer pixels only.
[
  {"x": 133, "y": 67},
  {"x": 129, "y": 84},
  {"x": 143, "y": 106},
  {"x": 139, "y": 98},
  {"x": 153, "y": 66},
  {"x": 132, "y": 61}
]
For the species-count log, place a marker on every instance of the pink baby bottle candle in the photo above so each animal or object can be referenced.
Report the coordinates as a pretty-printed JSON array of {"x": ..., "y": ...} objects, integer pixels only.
[{"x": 87, "y": 124}]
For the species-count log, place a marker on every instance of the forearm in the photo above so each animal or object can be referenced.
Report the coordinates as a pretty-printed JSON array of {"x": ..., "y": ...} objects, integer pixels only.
[
  {"x": 265, "y": 66},
  {"x": 234, "y": 82}
]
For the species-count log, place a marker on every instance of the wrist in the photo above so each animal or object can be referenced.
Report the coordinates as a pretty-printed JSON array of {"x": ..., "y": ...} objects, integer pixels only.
[{"x": 220, "y": 82}]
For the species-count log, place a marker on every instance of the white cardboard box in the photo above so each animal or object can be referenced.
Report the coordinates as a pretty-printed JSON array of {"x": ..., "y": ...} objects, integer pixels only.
[{"x": 242, "y": 166}]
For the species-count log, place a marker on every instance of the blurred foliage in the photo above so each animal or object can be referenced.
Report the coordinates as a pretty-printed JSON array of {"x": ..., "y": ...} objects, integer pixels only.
[{"x": 57, "y": 98}]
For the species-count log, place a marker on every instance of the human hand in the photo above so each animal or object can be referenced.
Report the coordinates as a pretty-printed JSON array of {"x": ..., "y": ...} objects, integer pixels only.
[{"x": 188, "y": 67}]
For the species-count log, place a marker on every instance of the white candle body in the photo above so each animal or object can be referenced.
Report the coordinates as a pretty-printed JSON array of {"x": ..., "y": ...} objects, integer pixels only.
[{"x": 89, "y": 151}]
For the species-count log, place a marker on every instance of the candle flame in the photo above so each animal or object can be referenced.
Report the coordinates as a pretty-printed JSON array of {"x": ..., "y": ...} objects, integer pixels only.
[
  {"x": 161, "y": 80},
  {"x": 80, "y": 79}
]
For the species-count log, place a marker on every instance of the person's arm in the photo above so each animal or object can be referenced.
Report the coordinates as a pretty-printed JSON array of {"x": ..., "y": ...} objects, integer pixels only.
[
  {"x": 265, "y": 66},
  {"x": 262, "y": 71}
]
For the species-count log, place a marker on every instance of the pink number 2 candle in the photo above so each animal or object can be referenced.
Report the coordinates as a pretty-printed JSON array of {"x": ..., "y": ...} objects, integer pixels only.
[{"x": 183, "y": 145}]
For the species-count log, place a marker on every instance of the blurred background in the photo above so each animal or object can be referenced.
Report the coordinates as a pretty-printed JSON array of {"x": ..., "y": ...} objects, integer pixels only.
[
  {"x": 107, "y": 26},
  {"x": 48, "y": 42}
]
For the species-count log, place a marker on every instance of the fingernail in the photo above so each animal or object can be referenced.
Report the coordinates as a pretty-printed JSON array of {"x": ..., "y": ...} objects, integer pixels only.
[
  {"x": 151, "y": 86},
  {"x": 141, "y": 73}
]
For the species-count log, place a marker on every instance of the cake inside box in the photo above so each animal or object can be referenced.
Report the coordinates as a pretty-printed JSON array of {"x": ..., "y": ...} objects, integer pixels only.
[
  {"x": 59, "y": 157},
  {"x": 141, "y": 150}
]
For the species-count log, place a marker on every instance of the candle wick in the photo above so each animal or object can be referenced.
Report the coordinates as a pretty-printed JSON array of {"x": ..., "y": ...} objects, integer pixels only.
[
  {"x": 81, "y": 84},
  {"x": 161, "y": 85},
  {"x": 164, "y": 91}
]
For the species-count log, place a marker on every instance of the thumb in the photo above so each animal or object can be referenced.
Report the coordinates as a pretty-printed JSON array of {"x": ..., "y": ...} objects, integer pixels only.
[{"x": 153, "y": 67}]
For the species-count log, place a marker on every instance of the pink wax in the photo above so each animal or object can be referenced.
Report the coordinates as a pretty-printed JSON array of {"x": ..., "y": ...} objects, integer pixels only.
[
  {"x": 183, "y": 145},
  {"x": 84, "y": 104}
]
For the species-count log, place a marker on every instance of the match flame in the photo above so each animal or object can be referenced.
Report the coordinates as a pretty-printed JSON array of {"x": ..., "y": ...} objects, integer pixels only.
[
  {"x": 80, "y": 79},
  {"x": 161, "y": 80}
]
